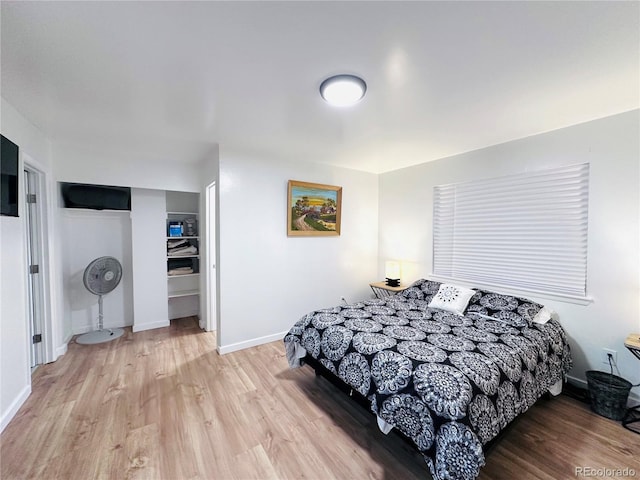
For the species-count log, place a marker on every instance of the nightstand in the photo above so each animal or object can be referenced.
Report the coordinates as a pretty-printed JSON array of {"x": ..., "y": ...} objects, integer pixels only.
[
  {"x": 382, "y": 290},
  {"x": 632, "y": 416}
]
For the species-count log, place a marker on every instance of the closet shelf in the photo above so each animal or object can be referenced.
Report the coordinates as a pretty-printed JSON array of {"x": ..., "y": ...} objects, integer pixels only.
[{"x": 184, "y": 293}]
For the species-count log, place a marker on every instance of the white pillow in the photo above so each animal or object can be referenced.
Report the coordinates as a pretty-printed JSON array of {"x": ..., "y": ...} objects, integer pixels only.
[
  {"x": 543, "y": 316},
  {"x": 452, "y": 298}
]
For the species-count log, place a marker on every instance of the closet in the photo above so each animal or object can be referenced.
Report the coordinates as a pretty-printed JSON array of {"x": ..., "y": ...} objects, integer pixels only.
[
  {"x": 183, "y": 253},
  {"x": 140, "y": 236}
]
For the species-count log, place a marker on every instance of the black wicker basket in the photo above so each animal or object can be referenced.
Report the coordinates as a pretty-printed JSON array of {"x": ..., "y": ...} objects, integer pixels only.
[{"x": 609, "y": 394}]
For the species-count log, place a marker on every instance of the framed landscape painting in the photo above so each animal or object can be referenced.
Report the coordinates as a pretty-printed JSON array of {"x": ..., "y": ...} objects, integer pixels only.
[{"x": 313, "y": 209}]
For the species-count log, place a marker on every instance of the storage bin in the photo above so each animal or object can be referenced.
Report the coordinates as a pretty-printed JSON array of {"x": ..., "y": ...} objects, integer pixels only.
[
  {"x": 609, "y": 394},
  {"x": 175, "y": 229}
]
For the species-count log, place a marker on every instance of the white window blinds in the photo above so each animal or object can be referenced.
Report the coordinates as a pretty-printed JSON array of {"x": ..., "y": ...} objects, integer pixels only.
[{"x": 526, "y": 231}]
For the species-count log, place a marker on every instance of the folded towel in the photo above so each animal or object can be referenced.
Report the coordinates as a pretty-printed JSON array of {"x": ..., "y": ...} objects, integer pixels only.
[
  {"x": 180, "y": 271},
  {"x": 190, "y": 250},
  {"x": 176, "y": 243}
]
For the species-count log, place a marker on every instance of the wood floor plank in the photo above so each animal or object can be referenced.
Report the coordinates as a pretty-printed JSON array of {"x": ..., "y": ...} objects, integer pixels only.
[
  {"x": 254, "y": 464},
  {"x": 162, "y": 404}
]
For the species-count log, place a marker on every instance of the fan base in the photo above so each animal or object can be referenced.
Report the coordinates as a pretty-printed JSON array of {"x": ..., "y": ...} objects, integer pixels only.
[{"x": 100, "y": 336}]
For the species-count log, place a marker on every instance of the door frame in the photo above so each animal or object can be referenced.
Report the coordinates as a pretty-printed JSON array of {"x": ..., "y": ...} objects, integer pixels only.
[
  {"x": 42, "y": 233},
  {"x": 33, "y": 250},
  {"x": 211, "y": 283}
]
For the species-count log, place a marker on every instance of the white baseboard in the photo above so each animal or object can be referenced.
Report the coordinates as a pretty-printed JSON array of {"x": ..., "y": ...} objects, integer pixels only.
[
  {"x": 184, "y": 314},
  {"x": 150, "y": 326},
  {"x": 254, "y": 342},
  {"x": 62, "y": 349},
  {"x": 14, "y": 407},
  {"x": 577, "y": 381},
  {"x": 80, "y": 329}
]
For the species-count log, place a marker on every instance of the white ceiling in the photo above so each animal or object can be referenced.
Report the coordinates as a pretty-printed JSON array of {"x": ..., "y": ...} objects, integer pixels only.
[{"x": 172, "y": 78}]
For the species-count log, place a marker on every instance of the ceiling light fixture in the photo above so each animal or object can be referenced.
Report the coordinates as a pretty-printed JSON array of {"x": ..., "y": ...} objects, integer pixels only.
[{"x": 343, "y": 90}]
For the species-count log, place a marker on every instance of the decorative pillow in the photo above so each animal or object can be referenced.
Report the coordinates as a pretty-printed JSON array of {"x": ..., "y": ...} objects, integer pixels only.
[
  {"x": 519, "y": 312},
  {"x": 452, "y": 298}
]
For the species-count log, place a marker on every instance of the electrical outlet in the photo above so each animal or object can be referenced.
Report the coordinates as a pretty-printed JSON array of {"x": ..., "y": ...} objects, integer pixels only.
[{"x": 605, "y": 356}]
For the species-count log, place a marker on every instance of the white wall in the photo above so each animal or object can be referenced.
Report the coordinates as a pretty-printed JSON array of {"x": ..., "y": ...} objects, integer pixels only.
[
  {"x": 87, "y": 235},
  {"x": 611, "y": 146},
  {"x": 149, "y": 258},
  {"x": 121, "y": 167},
  {"x": 15, "y": 375},
  {"x": 269, "y": 280}
]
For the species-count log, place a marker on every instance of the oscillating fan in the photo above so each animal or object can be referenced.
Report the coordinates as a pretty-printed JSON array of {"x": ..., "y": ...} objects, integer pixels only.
[{"x": 100, "y": 277}]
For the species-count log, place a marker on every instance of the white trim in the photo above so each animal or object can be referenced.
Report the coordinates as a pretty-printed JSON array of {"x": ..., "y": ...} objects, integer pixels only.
[
  {"x": 46, "y": 235},
  {"x": 577, "y": 381},
  {"x": 34, "y": 240},
  {"x": 79, "y": 330},
  {"x": 209, "y": 281},
  {"x": 178, "y": 313},
  {"x": 150, "y": 326},
  {"x": 14, "y": 407},
  {"x": 254, "y": 342},
  {"x": 62, "y": 349}
]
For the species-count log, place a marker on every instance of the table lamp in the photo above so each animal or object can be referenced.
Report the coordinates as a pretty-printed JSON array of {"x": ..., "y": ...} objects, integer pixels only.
[{"x": 392, "y": 273}]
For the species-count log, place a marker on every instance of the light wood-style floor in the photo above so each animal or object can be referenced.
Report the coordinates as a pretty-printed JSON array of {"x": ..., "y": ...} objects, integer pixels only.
[{"x": 163, "y": 404}]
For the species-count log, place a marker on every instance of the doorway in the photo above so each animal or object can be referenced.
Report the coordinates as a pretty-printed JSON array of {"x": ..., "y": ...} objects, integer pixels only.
[
  {"x": 211, "y": 295},
  {"x": 34, "y": 247}
]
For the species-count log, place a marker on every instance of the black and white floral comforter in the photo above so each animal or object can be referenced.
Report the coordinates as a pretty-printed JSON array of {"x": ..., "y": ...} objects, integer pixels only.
[{"x": 450, "y": 383}]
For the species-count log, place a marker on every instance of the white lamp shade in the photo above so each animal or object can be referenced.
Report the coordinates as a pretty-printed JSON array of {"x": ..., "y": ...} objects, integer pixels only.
[{"x": 392, "y": 269}]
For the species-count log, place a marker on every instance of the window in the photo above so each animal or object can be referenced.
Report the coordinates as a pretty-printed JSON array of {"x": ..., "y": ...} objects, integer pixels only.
[{"x": 526, "y": 231}]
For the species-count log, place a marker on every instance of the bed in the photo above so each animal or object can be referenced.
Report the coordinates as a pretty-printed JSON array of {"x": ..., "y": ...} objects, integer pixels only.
[{"x": 448, "y": 378}]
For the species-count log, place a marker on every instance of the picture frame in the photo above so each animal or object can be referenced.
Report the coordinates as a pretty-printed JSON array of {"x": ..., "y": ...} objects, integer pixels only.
[{"x": 313, "y": 209}]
